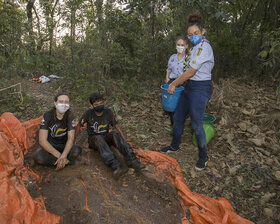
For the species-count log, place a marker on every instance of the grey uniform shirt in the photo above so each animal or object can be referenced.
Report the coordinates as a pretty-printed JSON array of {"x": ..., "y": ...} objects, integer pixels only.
[
  {"x": 175, "y": 67},
  {"x": 202, "y": 59}
]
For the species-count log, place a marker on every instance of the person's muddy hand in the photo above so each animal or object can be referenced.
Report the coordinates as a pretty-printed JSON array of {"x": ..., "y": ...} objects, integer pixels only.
[
  {"x": 61, "y": 162},
  {"x": 171, "y": 88}
]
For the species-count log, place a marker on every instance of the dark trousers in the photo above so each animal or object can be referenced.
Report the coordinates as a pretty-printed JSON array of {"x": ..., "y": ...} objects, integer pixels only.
[
  {"x": 102, "y": 144},
  {"x": 192, "y": 102},
  {"x": 45, "y": 158}
]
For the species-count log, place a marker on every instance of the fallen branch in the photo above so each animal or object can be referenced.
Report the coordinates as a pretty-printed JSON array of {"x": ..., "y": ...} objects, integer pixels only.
[{"x": 19, "y": 92}]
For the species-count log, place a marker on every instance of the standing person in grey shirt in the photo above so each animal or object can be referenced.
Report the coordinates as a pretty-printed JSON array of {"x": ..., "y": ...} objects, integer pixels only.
[
  {"x": 176, "y": 65},
  {"x": 198, "y": 90}
]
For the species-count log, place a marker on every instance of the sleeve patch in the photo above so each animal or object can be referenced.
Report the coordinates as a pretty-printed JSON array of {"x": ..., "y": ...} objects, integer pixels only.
[
  {"x": 43, "y": 121},
  {"x": 198, "y": 52}
]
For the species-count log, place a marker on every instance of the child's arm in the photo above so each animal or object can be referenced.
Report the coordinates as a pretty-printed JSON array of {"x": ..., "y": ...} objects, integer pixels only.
[
  {"x": 77, "y": 130},
  {"x": 119, "y": 130},
  {"x": 80, "y": 124}
]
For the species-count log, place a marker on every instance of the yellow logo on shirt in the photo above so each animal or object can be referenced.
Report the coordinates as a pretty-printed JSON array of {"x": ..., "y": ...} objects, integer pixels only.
[
  {"x": 102, "y": 126},
  {"x": 198, "y": 52},
  {"x": 193, "y": 61},
  {"x": 60, "y": 130}
]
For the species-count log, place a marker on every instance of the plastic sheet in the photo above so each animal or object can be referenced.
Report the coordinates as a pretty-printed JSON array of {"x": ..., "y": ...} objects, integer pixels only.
[
  {"x": 203, "y": 209},
  {"x": 16, "y": 204}
]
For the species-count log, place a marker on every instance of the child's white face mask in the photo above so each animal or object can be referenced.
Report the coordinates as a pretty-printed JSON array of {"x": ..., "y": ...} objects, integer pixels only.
[{"x": 180, "y": 49}]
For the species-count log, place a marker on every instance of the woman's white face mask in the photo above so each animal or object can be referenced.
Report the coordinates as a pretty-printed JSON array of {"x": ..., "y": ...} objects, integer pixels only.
[
  {"x": 180, "y": 49},
  {"x": 62, "y": 108}
]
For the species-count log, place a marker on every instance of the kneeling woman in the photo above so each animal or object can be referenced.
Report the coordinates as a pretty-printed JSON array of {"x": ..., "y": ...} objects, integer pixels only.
[{"x": 56, "y": 136}]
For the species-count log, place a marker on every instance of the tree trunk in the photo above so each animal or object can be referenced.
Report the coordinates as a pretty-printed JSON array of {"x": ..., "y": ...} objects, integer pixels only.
[
  {"x": 31, "y": 45},
  {"x": 73, "y": 34}
]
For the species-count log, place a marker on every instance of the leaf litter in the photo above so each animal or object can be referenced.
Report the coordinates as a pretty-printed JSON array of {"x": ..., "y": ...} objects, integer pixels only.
[{"x": 244, "y": 162}]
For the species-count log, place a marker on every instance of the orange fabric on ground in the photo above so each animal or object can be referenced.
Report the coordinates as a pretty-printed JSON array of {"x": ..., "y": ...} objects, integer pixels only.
[
  {"x": 203, "y": 209},
  {"x": 16, "y": 204}
]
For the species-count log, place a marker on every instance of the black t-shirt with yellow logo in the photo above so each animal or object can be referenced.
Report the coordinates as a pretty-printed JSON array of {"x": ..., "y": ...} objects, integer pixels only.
[
  {"x": 98, "y": 125},
  {"x": 57, "y": 132}
]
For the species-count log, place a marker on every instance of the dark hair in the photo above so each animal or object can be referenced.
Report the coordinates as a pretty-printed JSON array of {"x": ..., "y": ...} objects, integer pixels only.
[
  {"x": 195, "y": 20},
  {"x": 95, "y": 97},
  {"x": 181, "y": 38},
  {"x": 67, "y": 114},
  {"x": 60, "y": 94}
]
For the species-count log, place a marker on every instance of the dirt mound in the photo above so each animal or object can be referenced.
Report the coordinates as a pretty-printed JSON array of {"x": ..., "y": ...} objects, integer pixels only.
[{"x": 86, "y": 193}]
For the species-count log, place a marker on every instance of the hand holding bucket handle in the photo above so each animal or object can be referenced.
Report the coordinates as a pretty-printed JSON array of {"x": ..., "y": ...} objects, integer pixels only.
[{"x": 171, "y": 88}]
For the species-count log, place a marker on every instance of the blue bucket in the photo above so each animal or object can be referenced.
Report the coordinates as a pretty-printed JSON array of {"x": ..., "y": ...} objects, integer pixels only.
[{"x": 170, "y": 102}]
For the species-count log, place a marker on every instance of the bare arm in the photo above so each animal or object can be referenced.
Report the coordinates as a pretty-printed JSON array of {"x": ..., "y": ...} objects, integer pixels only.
[
  {"x": 62, "y": 160},
  {"x": 118, "y": 128},
  {"x": 167, "y": 77},
  {"x": 43, "y": 136},
  {"x": 69, "y": 144},
  {"x": 77, "y": 130},
  {"x": 180, "y": 80}
]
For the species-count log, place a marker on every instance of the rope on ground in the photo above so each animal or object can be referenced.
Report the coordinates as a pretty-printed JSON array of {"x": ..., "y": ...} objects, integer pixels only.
[{"x": 84, "y": 185}]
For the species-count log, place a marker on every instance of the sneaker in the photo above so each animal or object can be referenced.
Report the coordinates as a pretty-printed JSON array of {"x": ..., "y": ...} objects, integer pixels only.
[
  {"x": 201, "y": 164},
  {"x": 169, "y": 149},
  {"x": 117, "y": 173},
  {"x": 136, "y": 165}
]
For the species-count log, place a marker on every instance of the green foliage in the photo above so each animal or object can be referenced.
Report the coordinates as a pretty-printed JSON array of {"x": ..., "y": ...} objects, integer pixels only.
[
  {"x": 82, "y": 85},
  {"x": 270, "y": 54},
  {"x": 130, "y": 38},
  {"x": 11, "y": 31}
]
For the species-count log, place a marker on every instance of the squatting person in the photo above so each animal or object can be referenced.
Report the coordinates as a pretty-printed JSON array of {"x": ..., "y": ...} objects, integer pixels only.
[{"x": 56, "y": 135}]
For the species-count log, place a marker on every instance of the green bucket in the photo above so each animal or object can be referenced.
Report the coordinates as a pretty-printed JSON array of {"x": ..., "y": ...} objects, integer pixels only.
[
  {"x": 209, "y": 119},
  {"x": 210, "y": 132}
]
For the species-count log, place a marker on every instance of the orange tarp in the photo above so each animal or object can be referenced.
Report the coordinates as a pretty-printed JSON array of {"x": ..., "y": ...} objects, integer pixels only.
[
  {"x": 203, "y": 209},
  {"x": 16, "y": 205}
]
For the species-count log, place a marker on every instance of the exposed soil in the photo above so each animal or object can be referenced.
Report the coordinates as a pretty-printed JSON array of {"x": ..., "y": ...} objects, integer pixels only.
[
  {"x": 132, "y": 199},
  {"x": 244, "y": 162}
]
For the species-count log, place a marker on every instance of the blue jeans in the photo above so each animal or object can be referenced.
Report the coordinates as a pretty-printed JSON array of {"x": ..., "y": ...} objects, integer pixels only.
[{"x": 192, "y": 102}]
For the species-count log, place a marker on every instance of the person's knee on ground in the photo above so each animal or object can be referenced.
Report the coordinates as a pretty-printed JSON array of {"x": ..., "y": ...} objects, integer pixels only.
[
  {"x": 38, "y": 157},
  {"x": 42, "y": 157},
  {"x": 74, "y": 152}
]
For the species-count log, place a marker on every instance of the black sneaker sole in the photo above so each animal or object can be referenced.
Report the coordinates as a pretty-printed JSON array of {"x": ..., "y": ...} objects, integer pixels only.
[
  {"x": 201, "y": 168},
  {"x": 171, "y": 151}
]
